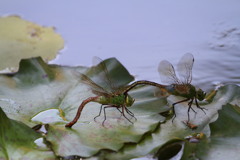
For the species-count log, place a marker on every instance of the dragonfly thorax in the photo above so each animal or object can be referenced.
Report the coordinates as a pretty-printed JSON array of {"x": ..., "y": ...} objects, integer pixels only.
[
  {"x": 184, "y": 90},
  {"x": 116, "y": 100}
]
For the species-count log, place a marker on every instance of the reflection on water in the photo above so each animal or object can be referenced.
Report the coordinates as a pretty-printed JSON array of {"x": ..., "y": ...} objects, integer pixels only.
[
  {"x": 217, "y": 62},
  {"x": 222, "y": 67},
  {"x": 210, "y": 69},
  {"x": 220, "y": 64}
]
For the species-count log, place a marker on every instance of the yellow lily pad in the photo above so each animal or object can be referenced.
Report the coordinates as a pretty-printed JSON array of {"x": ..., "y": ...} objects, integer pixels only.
[{"x": 20, "y": 39}]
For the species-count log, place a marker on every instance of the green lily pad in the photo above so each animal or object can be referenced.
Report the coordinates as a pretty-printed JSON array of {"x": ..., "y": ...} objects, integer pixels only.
[
  {"x": 49, "y": 94},
  {"x": 38, "y": 89},
  {"x": 169, "y": 131},
  {"x": 224, "y": 140},
  {"x": 87, "y": 137},
  {"x": 17, "y": 141},
  {"x": 35, "y": 88},
  {"x": 21, "y": 39}
]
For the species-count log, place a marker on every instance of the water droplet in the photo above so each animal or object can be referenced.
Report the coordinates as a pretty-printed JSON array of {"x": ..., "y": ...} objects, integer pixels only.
[
  {"x": 48, "y": 116},
  {"x": 85, "y": 122},
  {"x": 39, "y": 142}
]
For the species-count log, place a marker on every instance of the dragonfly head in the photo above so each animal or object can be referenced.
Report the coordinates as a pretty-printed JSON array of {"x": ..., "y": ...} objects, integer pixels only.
[
  {"x": 200, "y": 94},
  {"x": 129, "y": 100}
]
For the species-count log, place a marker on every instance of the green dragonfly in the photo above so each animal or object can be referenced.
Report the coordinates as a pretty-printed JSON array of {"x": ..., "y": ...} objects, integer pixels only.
[
  {"x": 179, "y": 85},
  {"x": 112, "y": 96},
  {"x": 119, "y": 98}
]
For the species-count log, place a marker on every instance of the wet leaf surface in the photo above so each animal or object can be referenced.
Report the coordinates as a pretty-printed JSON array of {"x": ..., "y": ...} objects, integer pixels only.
[
  {"x": 17, "y": 141},
  {"x": 169, "y": 131},
  {"x": 49, "y": 94},
  {"x": 38, "y": 88}
]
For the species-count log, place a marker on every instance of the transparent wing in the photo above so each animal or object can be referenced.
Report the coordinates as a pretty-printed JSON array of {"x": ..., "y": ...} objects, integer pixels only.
[
  {"x": 167, "y": 73},
  {"x": 184, "y": 68},
  {"x": 96, "y": 89},
  {"x": 103, "y": 74}
]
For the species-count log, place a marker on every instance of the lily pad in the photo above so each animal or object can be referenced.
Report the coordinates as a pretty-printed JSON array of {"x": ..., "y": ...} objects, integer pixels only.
[
  {"x": 87, "y": 137},
  {"x": 49, "y": 94},
  {"x": 224, "y": 140},
  {"x": 170, "y": 131},
  {"x": 37, "y": 89},
  {"x": 21, "y": 39},
  {"x": 17, "y": 141}
]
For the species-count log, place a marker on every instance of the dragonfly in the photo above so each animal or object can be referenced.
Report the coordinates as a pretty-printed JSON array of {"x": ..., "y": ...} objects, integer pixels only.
[
  {"x": 108, "y": 96},
  {"x": 120, "y": 99},
  {"x": 181, "y": 85},
  {"x": 178, "y": 85}
]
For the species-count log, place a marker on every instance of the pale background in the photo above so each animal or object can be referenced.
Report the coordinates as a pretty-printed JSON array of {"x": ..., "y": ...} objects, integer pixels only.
[{"x": 141, "y": 33}]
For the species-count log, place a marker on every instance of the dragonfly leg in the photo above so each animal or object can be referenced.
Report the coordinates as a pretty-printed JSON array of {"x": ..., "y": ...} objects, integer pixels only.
[
  {"x": 173, "y": 105},
  {"x": 130, "y": 113},
  {"x": 119, "y": 110},
  {"x": 123, "y": 114},
  {"x": 190, "y": 104},
  {"x": 104, "y": 111},
  {"x": 189, "y": 107},
  {"x": 199, "y": 106},
  {"x": 174, "y": 114},
  {"x": 99, "y": 113}
]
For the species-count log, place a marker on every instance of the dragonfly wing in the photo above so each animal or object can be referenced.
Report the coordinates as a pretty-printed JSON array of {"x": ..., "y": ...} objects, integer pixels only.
[
  {"x": 167, "y": 72},
  {"x": 96, "y": 89},
  {"x": 99, "y": 93},
  {"x": 184, "y": 68},
  {"x": 103, "y": 73}
]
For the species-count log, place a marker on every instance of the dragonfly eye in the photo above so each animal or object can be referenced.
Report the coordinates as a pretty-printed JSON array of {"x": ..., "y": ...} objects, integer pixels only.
[
  {"x": 129, "y": 101},
  {"x": 201, "y": 94}
]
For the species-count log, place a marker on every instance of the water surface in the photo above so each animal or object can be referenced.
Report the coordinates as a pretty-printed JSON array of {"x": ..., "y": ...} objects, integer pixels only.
[{"x": 141, "y": 34}]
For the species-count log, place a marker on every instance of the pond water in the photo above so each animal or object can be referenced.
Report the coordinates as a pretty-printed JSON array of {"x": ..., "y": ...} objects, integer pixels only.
[{"x": 141, "y": 34}]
